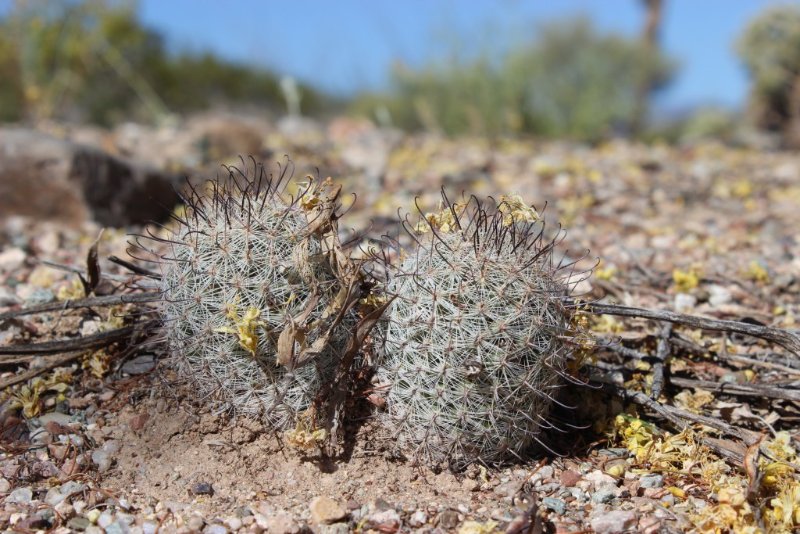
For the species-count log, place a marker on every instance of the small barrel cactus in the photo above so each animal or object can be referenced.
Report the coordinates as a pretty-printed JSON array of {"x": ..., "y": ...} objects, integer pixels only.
[
  {"x": 478, "y": 334},
  {"x": 257, "y": 294}
]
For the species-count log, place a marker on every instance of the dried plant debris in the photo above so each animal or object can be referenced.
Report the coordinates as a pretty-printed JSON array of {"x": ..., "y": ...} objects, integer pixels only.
[{"x": 690, "y": 428}]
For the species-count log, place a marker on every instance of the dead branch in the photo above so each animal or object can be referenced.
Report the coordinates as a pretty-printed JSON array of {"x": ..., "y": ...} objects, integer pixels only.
[
  {"x": 101, "y": 339},
  {"x": 743, "y": 390},
  {"x": 788, "y": 340},
  {"x": 88, "y": 302},
  {"x": 662, "y": 353},
  {"x": 49, "y": 364}
]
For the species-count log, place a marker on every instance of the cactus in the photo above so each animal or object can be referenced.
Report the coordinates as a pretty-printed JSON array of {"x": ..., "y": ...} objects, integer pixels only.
[
  {"x": 477, "y": 338},
  {"x": 257, "y": 294}
]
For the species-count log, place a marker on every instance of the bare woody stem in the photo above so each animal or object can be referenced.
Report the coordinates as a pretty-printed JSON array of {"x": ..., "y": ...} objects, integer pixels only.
[{"x": 788, "y": 340}]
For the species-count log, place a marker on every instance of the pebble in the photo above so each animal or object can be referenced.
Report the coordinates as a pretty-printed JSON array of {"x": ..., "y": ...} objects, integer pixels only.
[
  {"x": 336, "y": 528},
  {"x": 8, "y": 297},
  {"x": 55, "y": 417},
  {"x": 195, "y": 523},
  {"x": 470, "y": 485},
  {"x": 556, "y": 505},
  {"x": 105, "y": 519},
  {"x": 614, "y": 522},
  {"x": 93, "y": 515},
  {"x": 5, "y": 485},
  {"x": 93, "y": 529},
  {"x": 569, "y": 477},
  {"x": 718, "y": 295},
  {"x": 603, "y": 495},
  {"x": 149, "y": 527},
  {"x": 11, "y": 259},
  {"x": 417, "y": 519},
  {"x": 385, "y": 521},
  {"x": 651, "y": 481},
  {"x": 35, "y": 295},
  {"x": 684, "y": 302},
  {"x": 325, "y": 510},
  {"x": 280, "y": 522},
  {"x": 117, "y": 528},
  {"x": 598, "y": 478},
  {"x": 53, "y": 497},
  {"x": 234, "y": 523},
  {"x": 20, "y": 496},
  {"x": 140, "y": 365},
  {"x": 78, "y": 523},
  {"x": 545, "y": 472},
  {"x": 448, "y": 520},
  {"x": 101, "y": 459},
  {"x": 215, "y": 529},
  {"x": 202, "y": 488}
]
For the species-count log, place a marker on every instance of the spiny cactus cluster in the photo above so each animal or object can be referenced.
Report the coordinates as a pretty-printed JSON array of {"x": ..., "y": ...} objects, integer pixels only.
[
  {"x": 478, "y": 334},
  {"x": 266, "y": 313},
  {"x": 256, "y": 293}
]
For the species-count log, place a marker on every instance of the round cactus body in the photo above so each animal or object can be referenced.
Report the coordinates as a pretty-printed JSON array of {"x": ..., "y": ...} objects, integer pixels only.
[
  {"x": 476, "y": 337},
  {"x": 250, "y": 292}
]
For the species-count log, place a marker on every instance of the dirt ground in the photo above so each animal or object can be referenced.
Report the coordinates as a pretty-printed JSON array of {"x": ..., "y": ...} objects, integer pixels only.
[{"x": 110, "y": 440}]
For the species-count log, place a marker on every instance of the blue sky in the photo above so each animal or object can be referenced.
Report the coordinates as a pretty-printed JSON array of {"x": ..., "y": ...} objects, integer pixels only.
[{"x": 345, "y": 45}]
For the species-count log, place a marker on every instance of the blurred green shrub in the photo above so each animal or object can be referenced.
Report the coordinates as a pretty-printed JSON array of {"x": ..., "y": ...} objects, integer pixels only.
[
  {"x": 770, "y": 50},
  {"x": 93, "y": 60},
  {"x": 570, "y": 81}
]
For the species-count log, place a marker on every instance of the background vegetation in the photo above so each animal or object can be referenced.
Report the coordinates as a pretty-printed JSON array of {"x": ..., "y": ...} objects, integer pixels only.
[{"x": 94, "y": 61}]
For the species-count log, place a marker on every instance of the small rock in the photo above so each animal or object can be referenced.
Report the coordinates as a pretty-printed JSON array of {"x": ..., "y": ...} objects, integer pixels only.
[
  {"x": 101, "y": 459},
  {"x": 202, "y": 488},
  {"x": 41, "y": 436},
  {"x": 546, "y": 472},
  {"x": 598, "y": 478},
  {"x": 92, "y": 529},
  {"x": 234, "y": 523},
  {"x": 78, "y": 523},
  {"x": 215, "y": 529},
  {"x": 149, "y": 527},
  {"x": 336, "y": 528},
  {"x": 117, "y": 527},
  {"x": 71, "y": 487},
  {"x": 603, "y": 495},
  {"x": 53, "y": 497},
  {"x": 569, "y": 477},
  {"x": 20, "y": 496},
  {"x": 448, "y": 520},
  {"x": 105, "y": 519},
  {"x": 195, "y": 523},
  {"x": 140, "y": 365},
  {"x": 8, "y": 297},
  {"x": 325, "y": 510},
  {"x": 579, "y": 494},
  {"x": 470, "y": 485},
  {"x": 614, "y": 522},
  {"x": 556, "y": 505},
  {"x": 11, "y": 259},
  {"x": 385, "y": 521},
  {"x": 64, "y": 509},
  {"x": 279, "y": 523},
  {"x": 417, "y": 519},
  {"x": 684, "y": 302},
  {"x": 5, "y": 485},
  {"x": 649, "y": 525},
  {"x": 93, "y": 515},
  {"x": 718, "y": 295},
  {"x": 651, "y": 481}
]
